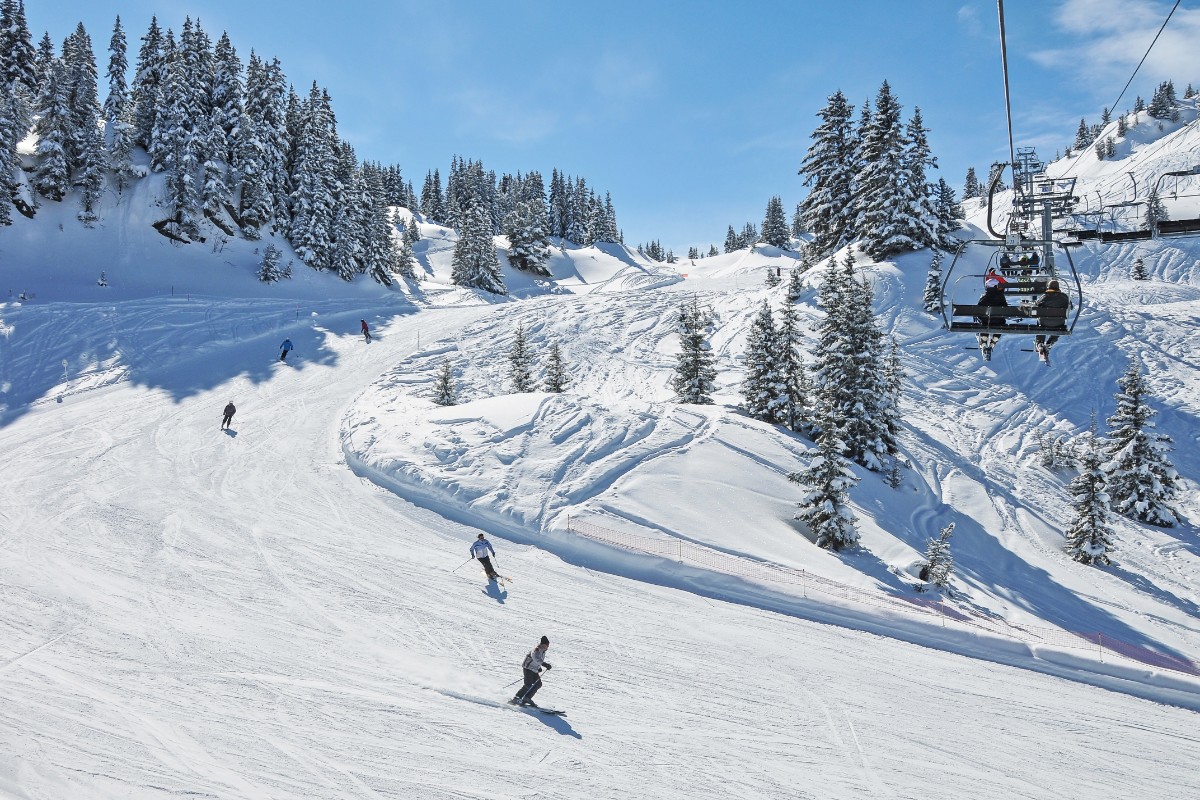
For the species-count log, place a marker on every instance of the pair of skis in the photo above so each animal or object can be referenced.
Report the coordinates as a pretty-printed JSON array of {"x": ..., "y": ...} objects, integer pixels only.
[{"x": 553, "y": 712}]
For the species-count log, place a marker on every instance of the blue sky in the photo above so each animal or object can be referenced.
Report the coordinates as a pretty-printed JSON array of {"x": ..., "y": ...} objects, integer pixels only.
[{"x": 691, "y": 114}]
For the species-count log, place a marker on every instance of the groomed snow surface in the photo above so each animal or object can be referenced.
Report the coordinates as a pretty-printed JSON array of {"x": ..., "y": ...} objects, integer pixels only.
[{"x": 283, "y": 610}]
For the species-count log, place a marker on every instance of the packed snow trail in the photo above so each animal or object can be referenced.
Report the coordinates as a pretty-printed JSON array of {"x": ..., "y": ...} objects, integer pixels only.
[{"x": 237, "y": 615}]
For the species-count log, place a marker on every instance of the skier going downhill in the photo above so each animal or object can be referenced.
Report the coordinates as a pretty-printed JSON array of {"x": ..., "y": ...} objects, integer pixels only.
[
  {"x": 366, "y": 331},
  {"x": 532, "y": 666},
  {"x": 227, "y": 420},
  {"x": 481, "y": 549},
  {"x": 284, "y": 349}
]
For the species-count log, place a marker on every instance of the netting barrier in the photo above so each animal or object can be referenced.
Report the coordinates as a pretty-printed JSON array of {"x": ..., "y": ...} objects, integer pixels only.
[{"x": 807, "y": 584}]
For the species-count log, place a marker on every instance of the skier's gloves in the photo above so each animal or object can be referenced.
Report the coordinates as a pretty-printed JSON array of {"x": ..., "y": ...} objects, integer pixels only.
[{"x": 547, "y": 666}]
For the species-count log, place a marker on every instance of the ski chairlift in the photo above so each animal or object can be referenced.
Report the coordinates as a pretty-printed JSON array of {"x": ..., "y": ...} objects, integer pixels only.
[{"x": 1012, "y": 265}]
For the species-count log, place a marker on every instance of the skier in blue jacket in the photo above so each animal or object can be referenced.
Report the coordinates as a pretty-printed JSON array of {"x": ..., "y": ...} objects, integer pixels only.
[
  {"x": 481, "y": 548},
  {"x": 284, "y": 349}
]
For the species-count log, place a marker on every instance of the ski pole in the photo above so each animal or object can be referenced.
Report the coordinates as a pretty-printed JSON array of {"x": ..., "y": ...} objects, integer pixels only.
[{"x": 463, "y": 564}]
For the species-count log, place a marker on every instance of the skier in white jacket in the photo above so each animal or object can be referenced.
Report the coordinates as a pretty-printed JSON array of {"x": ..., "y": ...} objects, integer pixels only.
[
  {"x": 480, "y": 549},
  {"x": 533, "y": 664}
]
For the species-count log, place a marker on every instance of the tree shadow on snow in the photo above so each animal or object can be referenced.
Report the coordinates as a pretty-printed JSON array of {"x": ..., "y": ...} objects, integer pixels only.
[{"x": 183, "y": 346}]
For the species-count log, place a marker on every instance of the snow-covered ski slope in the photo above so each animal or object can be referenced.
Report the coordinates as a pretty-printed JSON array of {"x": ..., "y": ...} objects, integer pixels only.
[{"x": 283, "y": 611}]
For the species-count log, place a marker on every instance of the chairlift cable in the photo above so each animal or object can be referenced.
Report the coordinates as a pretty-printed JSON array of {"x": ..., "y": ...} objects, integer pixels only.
[{"x": 1012, "y": 157}]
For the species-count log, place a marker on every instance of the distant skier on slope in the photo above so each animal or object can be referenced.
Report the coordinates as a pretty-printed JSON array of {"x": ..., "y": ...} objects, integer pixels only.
[
  {"x": 227, "y": 420},
  {"x": 366, "y": 331},
  {"x": 480, "y": 549},
  {"x": 532, "y": 666},
  {"x": 284, "y": 349}
]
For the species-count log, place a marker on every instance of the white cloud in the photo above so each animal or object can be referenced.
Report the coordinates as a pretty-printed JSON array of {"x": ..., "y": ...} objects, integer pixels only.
[
  {"x": 1107, "y": 39},
  {"x": 499, "y": 115},
  {"x": 968, "y": 19}
]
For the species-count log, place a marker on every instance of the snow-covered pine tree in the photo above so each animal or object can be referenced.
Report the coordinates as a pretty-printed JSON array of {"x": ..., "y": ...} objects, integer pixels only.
[
  {"x": 828, "y": 480},
  {"x": 412, "y": 234},
  {"x": 85, "y": 144},
  {"x": 406, "y": 260},
  {"x": 775, "y": 231},
  {"x": 53, "y": 127},
  {"x": 557, "y": 379},
  {"x": 1083, "y": 135},
  {"x": 829, "y": 168},
  {"x": 1139, "y": 104},
  {"x": 949, "y": 214},
  {"x": 445, "y": 388},
  {"x": 431, "y": 203},
  {"x": 848, "y": 374},
  {"x": 1156, "y": 211},
  {"x": 381, "y": 257},
  {"x": 521, "y": 362},
  {"x": 761, "y": 381},
  {"x": 228, "y": 94},
  {"x": 693, "y": 253},
  {"x": 529, "y": 245},
  {"x": 1122, "y": 126},
  {"x": 249, "y": 168},
  {"x": 1138, "y": 271},
  {"x": 795, "y": 287},
  {"x": 268, "y": 267},
  {"x": 938, "y": 559},
  {"x": 18, "y": 82},
  {"x": 731, "y": 241},
  {"x": 695, "y": 373},
  {"x": 889, "y": 219},
  {"x": 1089, "y": 537},
  {"x": 790, "y": 406},
  {"x": 150, "y": 72},
  {"x": 924, "y": 225},
  {"x": 313, "y": 202},
  {"x": 1163, "y": 104},
  {"x": 798, "y": 222},
  {"x": 18, "y": 58},
  {"x": 773, "y": 278},
  {"x": 893, "y": 389},
  {"x": 749, "y": 235},
  {"x": 712, "y": 251},
  {"x": 174, "y": 143},
  {"x": 933, "y": 284},
  {"x": 1141, "y": 480},
  {"x": 971, "y": 186},
  {"x": 119, "y": 113},
  {"x": 475, "y": 264}
]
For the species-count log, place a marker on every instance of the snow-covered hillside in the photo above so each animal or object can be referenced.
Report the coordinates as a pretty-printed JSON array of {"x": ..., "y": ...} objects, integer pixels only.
[{"x": 283, "y": 610}]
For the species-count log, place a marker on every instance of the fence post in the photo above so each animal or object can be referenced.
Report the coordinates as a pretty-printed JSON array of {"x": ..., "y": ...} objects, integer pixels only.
[
  {"x": 679, "y": 544},
  {"x": 1100, "y": 644}
]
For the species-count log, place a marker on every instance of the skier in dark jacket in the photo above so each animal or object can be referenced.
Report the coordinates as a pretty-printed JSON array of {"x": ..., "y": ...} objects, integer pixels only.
[
  {"x": 532, "y": 666},
  {"x": 1053, "y": 298},
  {"x": 366, "y": 331},
  {"x": 993, "y": 295},
  {"x": 481, "y": 548},
  {"x": 227, "y": 420},
  {"x": 284, "y": 349}
]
